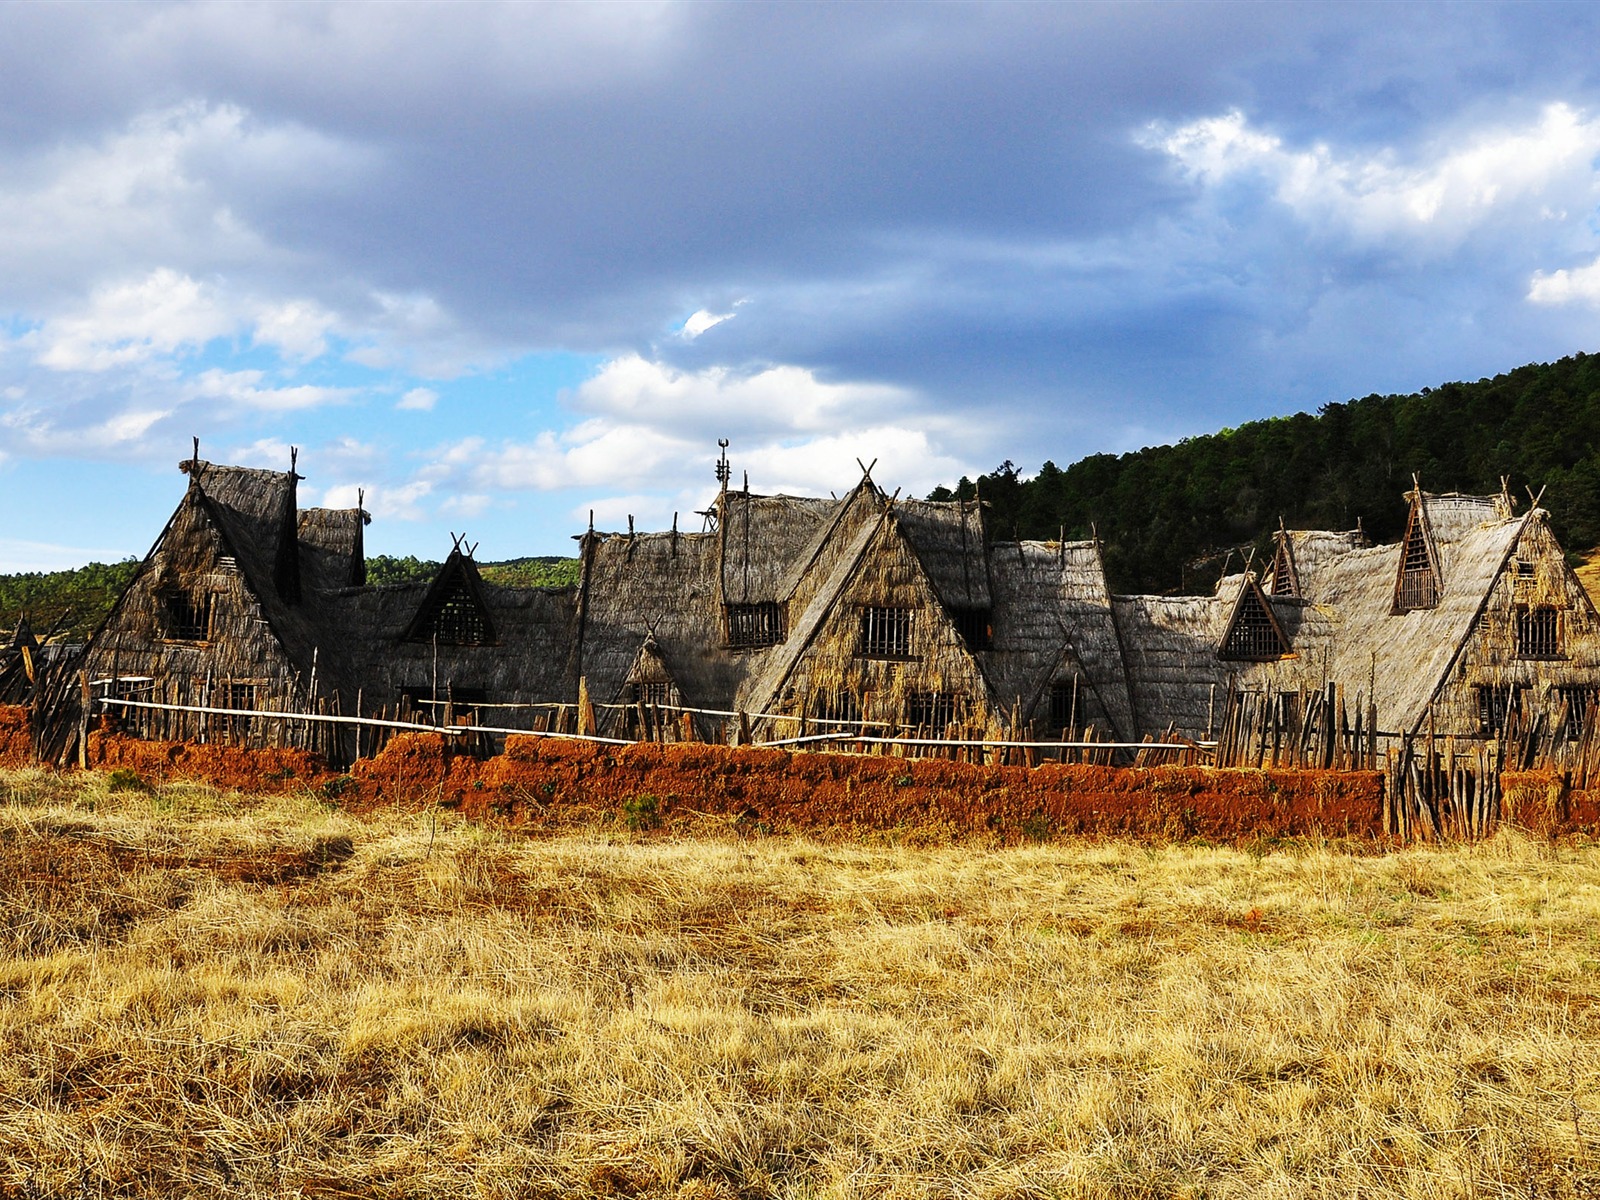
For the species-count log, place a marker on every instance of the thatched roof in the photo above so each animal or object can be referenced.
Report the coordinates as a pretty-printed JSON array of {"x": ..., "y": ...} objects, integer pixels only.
[
  {"x": 332, "y": 551},
  {"x": 947, "y": 537},
  {"x": 659, "y": 585},
  {"x": 1401, "y": 657},
  {"x": 1053, "y": 621},
  {"x": 368, "y": 646},
  {"x": 761, "y": 538}
]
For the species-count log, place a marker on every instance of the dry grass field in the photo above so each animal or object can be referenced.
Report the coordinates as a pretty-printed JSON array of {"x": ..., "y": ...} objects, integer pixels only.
[{"x": 203, "y": 993}]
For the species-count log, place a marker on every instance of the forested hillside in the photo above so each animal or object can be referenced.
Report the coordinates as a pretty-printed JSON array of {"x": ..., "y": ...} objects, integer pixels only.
[{"x": 1168, "y": 514}]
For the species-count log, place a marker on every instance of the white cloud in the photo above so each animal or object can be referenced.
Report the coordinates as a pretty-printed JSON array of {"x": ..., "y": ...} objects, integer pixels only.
[
  {"x": 418, "y": 399},
  {"x": 1448, "y": 191},
  {"x": 647, "y": 443},
  {"x": 130, "y": 322},
  {"x": 704, "y": 319},
  {"x": 298, "y": 329},
  {"x": 242, "y": 388},
  {"x": 1567, "y": 286},
  {"x": 782, "y": 397},
  {"x": 398, "y": 501}
]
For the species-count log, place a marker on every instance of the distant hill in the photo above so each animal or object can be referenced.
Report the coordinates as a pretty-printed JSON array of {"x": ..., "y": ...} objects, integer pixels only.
[
  {"x": 72, "y": 603},
  {"x": 1170, "y": 515}
]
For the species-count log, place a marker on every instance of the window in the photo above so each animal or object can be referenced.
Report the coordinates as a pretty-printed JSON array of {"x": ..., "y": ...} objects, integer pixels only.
[
  {"x": 933, "y": 710},
  {"x": 651, "y": 693},
  {"x": 973, "y": 624},
  {"x": 1418, "y": 586},
  {"x": 186, "y": 616},
  {"x": 1064, "y": 703},
  {"x": 885, "y": 633},
  {"x": 454, "y": 618},
  {"x": 751, "y": 626},
  {"x": 1282, "y": 580},
  {"x": 1580, "y": 704},
  {"x": 1538, "y": 632},
  {"x": 1253, "y": 636},
  {"x": 835, "y": 707},
  {"x": 458, "y": 621},
  {"x": 1496, "y": 707},
  {"x": 235, "y": 695}
]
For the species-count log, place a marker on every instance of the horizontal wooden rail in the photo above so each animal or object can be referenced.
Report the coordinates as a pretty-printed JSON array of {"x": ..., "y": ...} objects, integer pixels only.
[{"x": 458, "y": 730}]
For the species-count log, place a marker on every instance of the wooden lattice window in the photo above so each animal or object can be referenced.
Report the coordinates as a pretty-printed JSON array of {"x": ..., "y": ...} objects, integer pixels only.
[
  {"x": 886, "y": 632},
  {"x": 1496, "y": 706},
  {"x": 1419, "y": 584},
  {"x": 236, "y": 695},
  {"x": 186, "y": 616},
  {"x": 975, "y": 625},
  {"x": 651, "y": 693},
  {"x": 839, "y": 707},
  {"x": 751, "y": 626},
  {"x": 1253, "y": 636},
  {"x": 1580, "y": 706},
  {"x": 1282, "y": 582},
  {"x": 933, "y": 710},
  {"x": 1538, "y": 632},
  {"x": 456, "y": 619},
  {"x": 1064, "y": 703}
]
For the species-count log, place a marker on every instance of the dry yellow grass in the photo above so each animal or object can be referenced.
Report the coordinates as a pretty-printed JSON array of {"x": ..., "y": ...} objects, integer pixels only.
[{"x": 203, "y": 993}]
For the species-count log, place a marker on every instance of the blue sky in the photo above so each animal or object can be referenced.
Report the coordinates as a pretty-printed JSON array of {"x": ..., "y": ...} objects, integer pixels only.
[{"x": 503, "y": 265}]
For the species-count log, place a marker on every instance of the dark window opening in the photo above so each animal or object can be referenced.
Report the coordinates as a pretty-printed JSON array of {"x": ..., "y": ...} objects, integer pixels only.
[
  {"x": 933, "y": 709},
  {"x": 1065, "y": 703},
  {"x": 236, "y": 695},
  {"x": 886, "y": 633},
  {"x": 841, "y": 706},
  {"x": 1538, "y": 632},
  {"x": 1253, "y": 636},
  {"x": 651, "y": 693},
  {"x": 1580, "y": 705},
  {"x": 975, "y": 627},
  {"x": 1496, "y": 707},
  {"x": 456, "y": 619},
  {"x": 751, "y": 626},
  {"x": 1524, "y": 569},
  {"x": 1419, "y": 587},
  {"x": 187, "y": 615}
]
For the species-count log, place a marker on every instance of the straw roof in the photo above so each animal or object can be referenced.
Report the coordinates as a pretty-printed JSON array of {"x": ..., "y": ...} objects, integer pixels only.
[
  {"x": 332, "y": 549},
  {"x": 1053, "y": 622}
]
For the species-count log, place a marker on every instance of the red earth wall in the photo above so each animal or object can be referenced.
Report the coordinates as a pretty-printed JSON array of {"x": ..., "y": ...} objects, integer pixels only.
[
  {"x": 16, "y": 736},
  {"x": 545, "y": 782},
  {"x": 1542, "y": 802},
  {"x": 222, "y": 766},
  {"x": 549, "y": 782}
]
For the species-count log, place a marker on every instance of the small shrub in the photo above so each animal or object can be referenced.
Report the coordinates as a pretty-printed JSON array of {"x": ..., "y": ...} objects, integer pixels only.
[
  {"x": 125, "y": 779},
  {"x": 642, "y": 812},
  {"x": 336, "y": 787}
]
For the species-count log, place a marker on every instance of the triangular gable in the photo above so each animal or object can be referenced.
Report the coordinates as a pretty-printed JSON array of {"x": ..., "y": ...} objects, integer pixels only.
[
  {"x": 453, "y": 610},
  {"x": 649, "y": 680},
  {"x": 1253, "y": 633},
  {"x": 1284, "y": 579},
  {"x": 1417, "y": 583},
  {"x": 826, "y": 643}
]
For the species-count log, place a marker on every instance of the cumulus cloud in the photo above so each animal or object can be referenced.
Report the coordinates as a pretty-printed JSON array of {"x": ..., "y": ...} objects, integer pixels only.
[
  {"x": 1567, "y": 286},
  {"x": 418, "y": 400},
  {"x": 1448, "y": 189},
  {"x": 645, "y": 442}
]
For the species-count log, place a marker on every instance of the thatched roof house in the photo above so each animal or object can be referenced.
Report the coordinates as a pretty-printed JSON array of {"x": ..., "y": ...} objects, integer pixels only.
[{"x": 864, "y": 609}]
